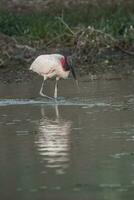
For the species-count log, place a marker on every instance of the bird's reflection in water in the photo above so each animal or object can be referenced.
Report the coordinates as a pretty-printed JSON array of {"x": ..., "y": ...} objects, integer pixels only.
[{"x": 53, "y": 141}]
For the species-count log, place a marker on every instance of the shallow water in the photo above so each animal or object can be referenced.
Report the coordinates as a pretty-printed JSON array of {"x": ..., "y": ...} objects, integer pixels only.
[{"x": 80, "y": 147}]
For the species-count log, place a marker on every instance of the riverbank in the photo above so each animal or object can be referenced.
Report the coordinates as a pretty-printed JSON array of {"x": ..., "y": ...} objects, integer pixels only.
[{"x": 100, "y": 40}]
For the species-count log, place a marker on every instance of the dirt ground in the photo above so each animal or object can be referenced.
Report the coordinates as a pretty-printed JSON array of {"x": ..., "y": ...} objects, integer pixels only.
[
  {"x": 15, "y": 57},
  {"x": 15, "y": 60},
  {"x": 26, "y": 5}
]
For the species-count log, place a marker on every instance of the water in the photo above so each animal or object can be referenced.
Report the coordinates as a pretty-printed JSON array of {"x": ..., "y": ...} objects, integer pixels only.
[{"x": 80, "y": 147}]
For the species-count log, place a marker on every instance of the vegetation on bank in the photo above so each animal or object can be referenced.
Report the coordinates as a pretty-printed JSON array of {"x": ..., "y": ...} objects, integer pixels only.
[
  {"x": 117, "y": 21},
  {"x": 101, "y": 40}
]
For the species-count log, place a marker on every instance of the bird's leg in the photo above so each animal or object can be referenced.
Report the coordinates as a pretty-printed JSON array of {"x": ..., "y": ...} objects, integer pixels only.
[
  {"x": 56, "y": 88},
  {"x": 41, "y": 90},
  {"x": 57, "y": 111}
]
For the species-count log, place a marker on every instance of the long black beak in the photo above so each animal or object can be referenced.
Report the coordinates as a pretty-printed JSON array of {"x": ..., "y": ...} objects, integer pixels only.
[{"x": 74, "y": 75}]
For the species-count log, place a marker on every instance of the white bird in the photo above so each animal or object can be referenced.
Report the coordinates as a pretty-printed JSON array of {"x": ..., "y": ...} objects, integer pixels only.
[{"x": 52, "y": 65}]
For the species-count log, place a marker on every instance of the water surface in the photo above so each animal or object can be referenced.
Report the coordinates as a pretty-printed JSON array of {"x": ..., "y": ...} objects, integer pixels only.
[{"x": 80, "y": 147}]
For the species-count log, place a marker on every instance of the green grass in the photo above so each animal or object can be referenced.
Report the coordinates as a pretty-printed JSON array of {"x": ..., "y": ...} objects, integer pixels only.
[{"x": 44, "y": 25}]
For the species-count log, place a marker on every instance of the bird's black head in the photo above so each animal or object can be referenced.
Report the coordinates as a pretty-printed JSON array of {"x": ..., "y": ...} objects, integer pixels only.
[{"x": 68, "y": 66}]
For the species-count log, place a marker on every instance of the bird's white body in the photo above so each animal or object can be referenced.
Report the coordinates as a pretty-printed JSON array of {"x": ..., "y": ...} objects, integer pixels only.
[{"x": 49, "y": 66}]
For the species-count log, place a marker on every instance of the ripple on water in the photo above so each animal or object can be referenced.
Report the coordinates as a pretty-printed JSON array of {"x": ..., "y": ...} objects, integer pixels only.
[
  {"x": 66, "y": 102},
  {"x": 22, "y": 132},
  {"x": 53, "y": 144},
  {"x": 43, "y": 187},
  {"x": 10, "y": 123},
  {"x": 122, "y": 154},
  {"x": 82, "y": 187},
  {"x": 126, "y": 132}
]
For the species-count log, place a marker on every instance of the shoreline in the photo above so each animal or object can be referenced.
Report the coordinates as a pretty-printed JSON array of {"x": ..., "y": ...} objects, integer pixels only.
[{"x": 102, "y": 44}]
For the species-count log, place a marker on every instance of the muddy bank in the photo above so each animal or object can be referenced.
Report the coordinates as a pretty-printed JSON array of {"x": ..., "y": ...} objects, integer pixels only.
[
  {"x": 101, "y": 61},
  {"x": 31, "y": 5}
]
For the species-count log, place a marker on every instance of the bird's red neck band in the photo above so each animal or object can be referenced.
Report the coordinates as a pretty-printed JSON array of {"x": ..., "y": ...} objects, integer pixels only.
[{"x": 62, "y": 61}]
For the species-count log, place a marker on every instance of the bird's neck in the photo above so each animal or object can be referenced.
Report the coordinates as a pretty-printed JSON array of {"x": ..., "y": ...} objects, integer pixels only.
[
  {"x": 62, "y": 60},
  {"x": 64, "y": 64}
]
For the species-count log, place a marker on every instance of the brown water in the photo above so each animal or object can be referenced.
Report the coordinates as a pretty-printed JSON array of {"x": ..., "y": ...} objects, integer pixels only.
[{"x": 80, "y": 147}]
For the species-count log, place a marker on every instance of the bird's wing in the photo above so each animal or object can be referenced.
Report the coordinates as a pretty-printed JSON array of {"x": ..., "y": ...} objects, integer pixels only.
[{"x": 42, "y": 64}]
